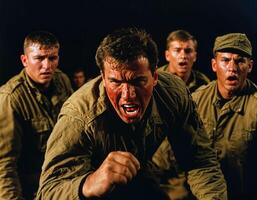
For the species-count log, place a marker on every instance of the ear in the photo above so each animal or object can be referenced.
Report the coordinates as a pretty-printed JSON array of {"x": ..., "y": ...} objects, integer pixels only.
[
  {"x": 167, "y": 55},
  {"x": 24, "y": 60},
  {"x": 214, "y": 64},
  {"x": 155, "y": 76},
  {"x": 250, "y": 66},
  {"x": 102, "y": 75},
  {"x": 195, "y": 56}
]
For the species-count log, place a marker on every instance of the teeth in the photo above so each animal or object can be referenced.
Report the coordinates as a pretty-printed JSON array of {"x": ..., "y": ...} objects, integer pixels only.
[
  {"x": 132, "y": 112},
  {"x": 129, "y": 106}
]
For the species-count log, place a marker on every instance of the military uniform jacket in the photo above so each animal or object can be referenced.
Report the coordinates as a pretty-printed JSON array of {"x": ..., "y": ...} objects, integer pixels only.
[
  {"x": 196, "y": 78},
  {"x": 231, "y": 126},
  {"x": 88, "y": 129},
  {"x": 26, "y": 120}
]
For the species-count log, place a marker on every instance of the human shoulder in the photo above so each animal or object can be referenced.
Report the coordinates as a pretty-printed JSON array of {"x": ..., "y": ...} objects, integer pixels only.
[
  {"x": 253, "y": 88},
  {"x": 88, "y": 102},
  {"x": 204, "y": 90},
  {"x": 59, "y": 72},
  {"x": 167, "y": 79},
  {"x": 61, "y": 75},
  {"x": 13, "y": 84},
  {"x": 255, "y": 95},
  {"x": 62, "y": 82},
  {"x": 163, "y": 68},
  {"x": 201, "y": 76},
  {"x": 171, "y": 90}
]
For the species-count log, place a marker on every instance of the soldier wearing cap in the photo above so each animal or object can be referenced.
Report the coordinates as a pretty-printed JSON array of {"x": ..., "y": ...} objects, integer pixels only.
[{"x": 227, "y": 107}]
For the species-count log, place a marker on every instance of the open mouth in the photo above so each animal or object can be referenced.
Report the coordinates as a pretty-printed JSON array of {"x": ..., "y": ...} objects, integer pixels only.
[
  {"x": 232, "y": 78},
  {"x": 182, "y": 64},
  {"x": 47, "y": 74},
  {"x": 131, "y": 109}
]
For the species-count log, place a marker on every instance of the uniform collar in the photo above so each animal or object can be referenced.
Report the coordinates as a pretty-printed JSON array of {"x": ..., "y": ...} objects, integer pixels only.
[
  {"x": 236, "y": 103},
  {"x": 192, "y": 79},
  {"x": 56, "y": 89}
]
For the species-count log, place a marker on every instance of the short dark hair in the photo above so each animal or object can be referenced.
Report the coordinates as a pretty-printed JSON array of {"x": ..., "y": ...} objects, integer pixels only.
[
  {"x": 78, "y": 70},
  {"x": 43, "y": 38},
  {"x": 127, "y": 44},
  {"x": 180, "y": 35}
]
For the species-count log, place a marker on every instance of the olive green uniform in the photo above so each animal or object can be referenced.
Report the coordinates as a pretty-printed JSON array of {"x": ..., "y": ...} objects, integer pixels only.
[
  {"x": 232, "y": 127},
  {"x": 164, "y": 156},
  {"x": 27, "y": 117},
  {"x": 88, "y": 129}
]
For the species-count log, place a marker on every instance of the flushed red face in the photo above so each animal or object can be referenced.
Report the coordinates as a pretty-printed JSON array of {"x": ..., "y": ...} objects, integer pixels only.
[
  {"x": 129, "y": 87},
  {"x": 231, "y": 70},
  {"x": 40, "y": 63}
]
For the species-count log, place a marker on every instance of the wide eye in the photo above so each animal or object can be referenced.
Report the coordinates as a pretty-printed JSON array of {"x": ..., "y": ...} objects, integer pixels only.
[
  {"x": 53, "y": 58},
  {"x": 115, "y": 82},
  {"x": 138, "y": 82},
  {"x": 240, "y": 61},
  {"x": 176, "y": 50},
  {"x": 38, "y": 58},
  {"x": 225, "y": 60},
  {"x": 188, "y": 50}
]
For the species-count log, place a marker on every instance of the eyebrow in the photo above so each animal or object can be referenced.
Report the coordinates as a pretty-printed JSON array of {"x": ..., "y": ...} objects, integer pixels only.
[{"x": 139, "y": 78}]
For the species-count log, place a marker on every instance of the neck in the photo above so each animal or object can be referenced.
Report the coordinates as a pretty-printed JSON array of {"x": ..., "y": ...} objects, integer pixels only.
[
  {"x": 184, "y": 76},
  {"x": 228, "y": 94}
]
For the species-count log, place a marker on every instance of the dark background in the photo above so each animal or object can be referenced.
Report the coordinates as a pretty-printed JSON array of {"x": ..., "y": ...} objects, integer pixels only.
[{"x": 80, "y": 25}]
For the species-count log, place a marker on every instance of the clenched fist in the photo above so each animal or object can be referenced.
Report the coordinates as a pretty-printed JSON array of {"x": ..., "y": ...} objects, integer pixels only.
[{"x": 118, "y": 168}]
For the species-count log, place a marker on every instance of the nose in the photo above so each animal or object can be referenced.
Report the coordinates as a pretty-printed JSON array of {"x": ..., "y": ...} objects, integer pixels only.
[
  {"x": 183, "y": 53},
  {"x": 128, "y": 91},
  {"x": 232, "y": 66},
  {"x": 46, "y": 63}
]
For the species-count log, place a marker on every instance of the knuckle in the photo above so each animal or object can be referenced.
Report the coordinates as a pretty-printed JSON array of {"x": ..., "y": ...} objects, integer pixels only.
[
  {"x": 125, "y": 170},
  {"x": 110, "y": 155}
]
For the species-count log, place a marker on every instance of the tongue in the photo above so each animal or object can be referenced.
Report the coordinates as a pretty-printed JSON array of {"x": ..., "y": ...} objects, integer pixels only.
[{"x": 130, "y": 109}]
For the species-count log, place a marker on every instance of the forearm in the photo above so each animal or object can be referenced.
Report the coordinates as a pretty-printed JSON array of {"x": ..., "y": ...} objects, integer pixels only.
[
  {"x": 10, "y": 145},
  {"x": 208, "y": 183},
  {"x": 10, "y": 187},
  {"x": 63, "y": 172},
  {"x": 64, "y": 189}
]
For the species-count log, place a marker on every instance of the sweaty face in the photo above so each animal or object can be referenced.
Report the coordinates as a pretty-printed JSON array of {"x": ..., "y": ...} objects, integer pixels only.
[
  {"x": 181, "y": 56},
  {"x": 231, "y": 70},
  {"x": 129, "y": 87},
  {"x": 40, "y": 63}
]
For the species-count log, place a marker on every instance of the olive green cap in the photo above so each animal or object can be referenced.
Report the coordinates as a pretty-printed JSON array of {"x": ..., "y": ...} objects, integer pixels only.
[{"x": 233, "y": 41}]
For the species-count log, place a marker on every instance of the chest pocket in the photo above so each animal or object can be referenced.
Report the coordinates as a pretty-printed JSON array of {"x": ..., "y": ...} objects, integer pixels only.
[
  {"x": 208, "y": 126},
  {"x": 241, "y": 139},
  {"x": 42, "y": 129}
]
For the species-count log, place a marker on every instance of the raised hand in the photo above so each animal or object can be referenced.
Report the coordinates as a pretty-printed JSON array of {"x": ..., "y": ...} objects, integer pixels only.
[{"x": 118, "y": 168}]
